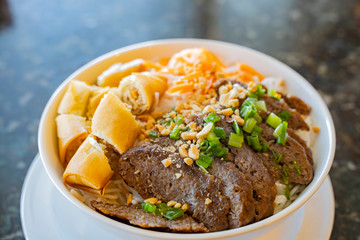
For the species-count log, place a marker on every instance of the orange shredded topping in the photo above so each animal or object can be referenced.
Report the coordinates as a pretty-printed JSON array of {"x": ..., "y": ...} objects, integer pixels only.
[{"x": 197, "y": 68}]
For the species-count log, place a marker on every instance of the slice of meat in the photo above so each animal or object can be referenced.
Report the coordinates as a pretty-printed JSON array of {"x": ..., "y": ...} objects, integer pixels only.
[
  {"x": 291, "y": 151},
  {"x": 277, "y": 106},
  {"x": 237, "y": 190},
  {"x": 251, "y": 169},
  {"x": 139, "y": 217},
  {"x": 297, "y": 104},
  {"x": 292, "y": 134},
  {"x": 264, "y": 188},
  {"x": 142, "y": 169}
]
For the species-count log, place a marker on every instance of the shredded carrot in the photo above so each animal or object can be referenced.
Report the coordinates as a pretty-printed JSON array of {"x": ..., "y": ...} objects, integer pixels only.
[
  {"x": 246, "y": 68},
  {"x": 185, "y": 87}
]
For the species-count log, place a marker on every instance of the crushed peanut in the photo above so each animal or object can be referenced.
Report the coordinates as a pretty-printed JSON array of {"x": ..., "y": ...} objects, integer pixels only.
[
  {"x": 182, "y": 151},
  {"x": 238, "y": 119},
  {"x": 178, "y": 175},
  {"x": 171, "y": 203},
  {"x": 204, "y": 132},
  {"x": 208, "y": 109},
  {"x": 177, "y": 205},
  {"x": 227, "y": 111},
  {"x": 172, "y": 115},
  {"x": 151, "y": 200},
  {"x": 160, "y": 127},
  {"x": 192, "y": 126},
  {"x": 137, "y": 171},
  {"x": 207, "y": 201},
  {"x": 166, "y": 162},
  {"x": 188, "y": 135},
  {"x": 193, "y": 152},
  {"x": 185, "y": 207},
  {"x": 233, "y": 103},
  {"x": 165, "y": 132},
  {"x": 188, "y": 161}
]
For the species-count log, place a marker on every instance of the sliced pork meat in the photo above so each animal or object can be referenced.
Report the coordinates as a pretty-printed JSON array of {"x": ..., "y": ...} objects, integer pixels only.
[
  {"x": 294, "y": 156},
  {"x": 277, "y": 106},
  {"x": 263, "y": 184},
  {"x": 138, "y": 217},
  {"x": 142, "y": 169},
  {"x": 297, "y": 104},
  {"x": 238, "y": 190}
]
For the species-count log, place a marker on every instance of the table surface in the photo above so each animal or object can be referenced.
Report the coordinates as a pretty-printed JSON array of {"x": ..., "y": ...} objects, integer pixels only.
[{"x": 42, "y": 42}]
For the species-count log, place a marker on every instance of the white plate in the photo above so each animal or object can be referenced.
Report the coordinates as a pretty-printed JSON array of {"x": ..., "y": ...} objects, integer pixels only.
[{"x": 46, "y": 214}]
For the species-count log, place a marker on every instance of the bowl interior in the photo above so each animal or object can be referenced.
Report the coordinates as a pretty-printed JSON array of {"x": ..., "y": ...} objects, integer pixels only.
[{"x": 323, "y": 149}]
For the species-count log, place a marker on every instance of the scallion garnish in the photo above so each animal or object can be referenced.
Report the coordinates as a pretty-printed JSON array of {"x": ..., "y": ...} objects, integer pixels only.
[
  {"x": 257, "y": 118},
  {"x": 204, "y": 160},
  {"x": 272, "y": 93},
  {"x": 236, "y": 140},
  {"x": 154, "y": 134},
  {"x": 179, "y": 120},
  {"x": 148, "y": 207},
  {"x": 204, "y": 144},
  {"x": 237, "y": 129},
  {"x": 254, "y": 142},
  {"x": 212, "y": 117},
  {"x": 220, "y": 132},
  {"x": 284, "y": 115},
  {"x": 260, "y": 106},
  {"x": 282, "y": 135},
  {"x": 175, "y": 133},
  {"x": 249, "y": 125},
  {"x": 265, "y": 147},
  {"x": 287, "y": 192},
  {"x": 273, "y": 120},
  {"x": 297, "y": 168}
]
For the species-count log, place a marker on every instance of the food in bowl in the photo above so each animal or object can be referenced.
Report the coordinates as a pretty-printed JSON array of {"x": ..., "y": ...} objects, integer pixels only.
[{"x": 187, "y": 144}]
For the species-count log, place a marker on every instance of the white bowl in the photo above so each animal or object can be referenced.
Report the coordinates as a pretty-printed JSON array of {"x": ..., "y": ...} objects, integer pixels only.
[{"x": 323, "y": 149}]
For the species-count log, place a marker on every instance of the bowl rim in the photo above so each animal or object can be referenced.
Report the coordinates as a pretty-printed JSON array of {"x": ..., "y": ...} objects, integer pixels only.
[{"x": 222, "y": 234}]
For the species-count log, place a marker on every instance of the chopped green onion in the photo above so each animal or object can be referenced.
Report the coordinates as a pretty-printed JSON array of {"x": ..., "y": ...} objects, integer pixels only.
[
  {"x": 265, "y": 147},
  {"x": 204, "y": 144},
  {"x": 148, "y": 207},
  {"x": 217, "y": 149},
  {"x": 154, "y": 134},
  {"x": 212, "y": 117},
  {"x": 204, "y": 160},
  {"x": 236, "y": 140},
  {"x": 237, "y": 129},
  {"x": 211, "y": 136},
  {"x": 168, "y": 122},
  {"x": 282, "y": 135},
  {"x": 273, "y": 120},
  {"x": 179, "y": 120},
  {"x": 258, "y": 93},
  {"x": 287, "y": 192},
  {"x": 175, "y": 133},
  {"x": 285, "y": 174},
  {"x": 257, "y": 130},
  {"x": 284, "y": 115},
  {"x": 247, "y": 109},
  {"x": 173, "y": 213},
  {"x": 219, "y": 132},
  {"x": 254, "y": 142},
  {"x": 272, "y": 93},
  {"x": 297, "y": 168},
  {"x": 260, "y": 106},
  {"x": 233, "y": 108},
  {"x": 258, "y": 118},
  {"x": 169, "y": 212},
  {"x": 278, "y": 157},
  {"x": 203, "y": 169},
  {"x": 249, "y": 125}
]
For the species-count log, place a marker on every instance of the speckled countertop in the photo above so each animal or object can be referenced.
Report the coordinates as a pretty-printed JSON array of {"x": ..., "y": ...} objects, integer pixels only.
[{"x": 42, "y": 42}]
